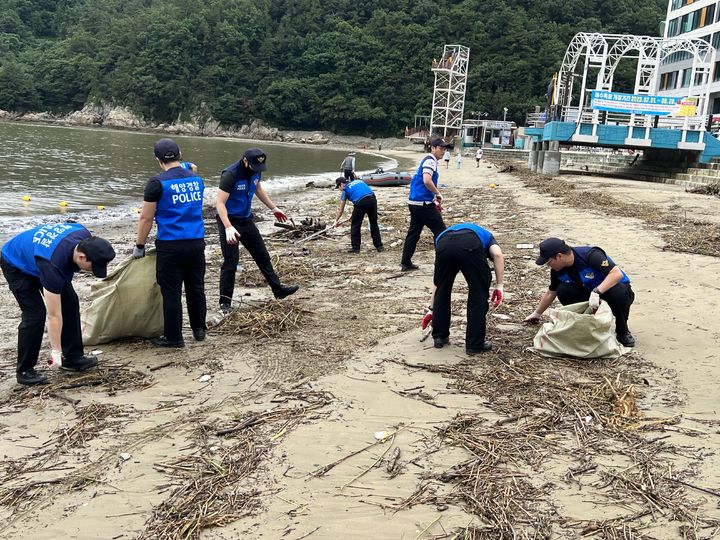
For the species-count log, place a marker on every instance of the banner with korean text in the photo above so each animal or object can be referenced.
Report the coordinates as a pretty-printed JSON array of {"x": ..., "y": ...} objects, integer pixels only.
[{"x": 643, "y": 104}]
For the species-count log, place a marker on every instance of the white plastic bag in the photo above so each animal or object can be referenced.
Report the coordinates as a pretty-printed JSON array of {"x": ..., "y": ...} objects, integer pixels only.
[{"x": 575, "y": 332}]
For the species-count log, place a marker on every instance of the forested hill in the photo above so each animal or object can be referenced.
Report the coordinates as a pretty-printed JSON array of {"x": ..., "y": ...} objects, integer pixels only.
[{"x": 351, "y": 66}]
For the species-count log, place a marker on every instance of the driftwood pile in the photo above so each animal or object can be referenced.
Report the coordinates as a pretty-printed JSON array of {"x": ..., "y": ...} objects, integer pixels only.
[{"x": 307, "y": 226}]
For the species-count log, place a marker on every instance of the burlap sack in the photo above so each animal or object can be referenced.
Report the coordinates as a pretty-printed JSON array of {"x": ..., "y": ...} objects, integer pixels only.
[
  {"x": 127, "y": 303},
  {"x": 573, "y": 331}
]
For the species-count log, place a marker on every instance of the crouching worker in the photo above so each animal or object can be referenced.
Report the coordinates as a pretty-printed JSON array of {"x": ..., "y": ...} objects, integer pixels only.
[
  {"x": 364, "y": 202},
  {"x": 39, "y": 265},
  {"x": 465, "y": 248},
  {"x": 582, "y": 274}
]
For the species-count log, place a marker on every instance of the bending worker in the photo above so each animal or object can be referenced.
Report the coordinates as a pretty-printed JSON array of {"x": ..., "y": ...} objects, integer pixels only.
[
  {"x": 238, "y": 184},
  {"x": 466, "y": 248},
  {"x": 174, "y": 200},
  {"x": 348, "y": 166},
  {"x": 424, "y": 211},
  {"x": 364, "y": 202},
  {"x": 582, "y": 274},
  {"x": 39, "y": 265}
]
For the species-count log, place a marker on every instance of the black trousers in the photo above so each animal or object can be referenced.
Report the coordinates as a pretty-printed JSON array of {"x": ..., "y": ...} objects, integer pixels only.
[
  {"x": 619, "y": 298},
  {"x": 348, "y": 174},
  {"x": 251, "y": 238},
  {"x": 27, "y": 290},
  {"x": 181, "y": 262},
  {"x": 461, "y": 251},
  {"x": 366, "y": 205},
  {"x": 421, "y": 216}
]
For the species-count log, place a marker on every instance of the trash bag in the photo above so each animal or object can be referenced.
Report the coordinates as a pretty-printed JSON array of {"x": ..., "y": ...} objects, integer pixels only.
[
  {"x": 127, "y": 303},
  {"x": 575, "y": 332}
]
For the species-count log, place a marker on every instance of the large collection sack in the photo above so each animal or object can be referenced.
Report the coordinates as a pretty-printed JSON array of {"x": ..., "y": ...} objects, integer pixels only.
[
  {"x": 575, "y": 332},
  {"x": 127, "y": 303}
]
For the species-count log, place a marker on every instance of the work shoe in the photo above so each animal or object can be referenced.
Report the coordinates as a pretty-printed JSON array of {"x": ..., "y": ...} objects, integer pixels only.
[
  {"x": 408, "y": 267},
  {"x": 626, "y": 339},
  {"x": 439, "y": 343},
  {"x": 225, "y": 309},
  {"x": 199, "y": 334},
  {"x": 79, "y": 364},
  {"x": 286, "y": 290},
  {"x": 353, "y": 250},
  {"x": 30, "y": 377},
  {"x": 380, "y": 249},
  {"x": 162, "y": 341},
  {"x": 487, "y": 346}
]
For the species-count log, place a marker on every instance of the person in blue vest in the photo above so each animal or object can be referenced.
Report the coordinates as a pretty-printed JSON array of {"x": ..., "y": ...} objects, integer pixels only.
[
  {"x": 466, "y": 248},
  {"x": 585, "y": 273},
  {"x": 364, "y": 202},
  {"x": 189, "y": 165},
  {"x": 39, "y": 265},
  {"x": 238, "y": 184},
  {"x": 173, "y": 199},
  {"x": 423, "y": 203}
]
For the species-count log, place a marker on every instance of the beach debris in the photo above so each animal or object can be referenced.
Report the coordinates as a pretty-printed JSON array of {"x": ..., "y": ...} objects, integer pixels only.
[
  {"x": 264, "y": 320},
  {"x": 381, "y": 435},
  {"x": 124, "y": 456},
  {"x": 708, "y": 189},
  {"x": 204, "y": 378},
  {"x": 525, "y": 246},
  {"x": 306, "y": 227}
]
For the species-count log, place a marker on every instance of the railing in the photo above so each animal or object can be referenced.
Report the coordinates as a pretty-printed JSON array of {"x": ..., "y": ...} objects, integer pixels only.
[{"x": 590, "y": 116}]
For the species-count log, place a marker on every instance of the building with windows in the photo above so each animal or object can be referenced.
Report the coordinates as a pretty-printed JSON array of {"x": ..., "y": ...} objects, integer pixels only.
[{"x": 691, "y": 19}]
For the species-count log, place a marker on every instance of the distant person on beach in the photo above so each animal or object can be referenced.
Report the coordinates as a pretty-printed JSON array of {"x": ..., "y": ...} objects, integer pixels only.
[
  {"x": 347, "y": 167},
  {"x": 458, "y": 159},
  {"x": 466, "y": 248},
  {"x": 424, "y": 202},
  {"x": 239, "y": 182},
  {"x": 585, "y": 273},
  {"x": 39, "y": 265},
  {"x": 478, "y": 156},
  {"x": 364, "y": 202},
  {"x": 446, "y": 158},
  {"x": 189, "y": 165},
  {"x": 174, "y": 200}
]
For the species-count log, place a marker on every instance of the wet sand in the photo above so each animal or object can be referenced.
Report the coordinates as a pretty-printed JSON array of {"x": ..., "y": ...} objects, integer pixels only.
[{"x": 358, "y": 327}]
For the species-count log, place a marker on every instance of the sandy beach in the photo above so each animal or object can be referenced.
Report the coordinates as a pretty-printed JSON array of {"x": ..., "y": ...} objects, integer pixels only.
[{"x": 324, "y": 416}]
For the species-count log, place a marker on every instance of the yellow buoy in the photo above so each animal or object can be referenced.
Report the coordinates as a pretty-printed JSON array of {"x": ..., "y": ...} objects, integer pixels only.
[
  {"x": 26, "y": 197},
  {"x": 63, "y": 204},
  {"x": 492, "y": 186},
  {"x": 100, "y": 207}
]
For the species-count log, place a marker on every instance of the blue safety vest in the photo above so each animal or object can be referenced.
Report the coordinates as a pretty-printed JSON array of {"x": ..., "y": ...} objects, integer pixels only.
[
  {"x": 239, "y": 203},
  {"x": 418, "y": 191},
  {"x": 356, "y": 190},
  {"x": 41, "y": 241},
  {"x": 482, "y": 234},
  {"x": 589, "y": 277},
  {"x": 179, "y": 210},
  {"x": 186, "y": 165}
]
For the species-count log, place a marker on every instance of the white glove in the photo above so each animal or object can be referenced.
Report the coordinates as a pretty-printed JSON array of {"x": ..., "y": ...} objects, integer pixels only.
[
  {"x": 138, "y": 251},
  {"x": 533, "y": 318},
  {"x": 55, "y": 360},
  {"x": 231, "y": 235},
  {"x": 594, "y": 301}
]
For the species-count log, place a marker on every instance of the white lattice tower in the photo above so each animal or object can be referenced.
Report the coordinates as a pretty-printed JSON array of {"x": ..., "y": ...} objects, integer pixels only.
[{"x": 449, "y": 91}]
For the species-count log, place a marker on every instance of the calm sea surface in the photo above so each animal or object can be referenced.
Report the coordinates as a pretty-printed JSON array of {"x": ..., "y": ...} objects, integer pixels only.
[{"x": 90, "y": 168}]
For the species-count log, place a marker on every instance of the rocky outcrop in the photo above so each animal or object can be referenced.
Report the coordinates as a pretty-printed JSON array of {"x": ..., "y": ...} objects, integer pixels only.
[{"x": 122, "y": 117}]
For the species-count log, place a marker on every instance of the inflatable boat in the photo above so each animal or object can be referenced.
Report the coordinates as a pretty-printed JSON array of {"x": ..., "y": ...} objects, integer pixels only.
[{"x": 386, "y": 179}]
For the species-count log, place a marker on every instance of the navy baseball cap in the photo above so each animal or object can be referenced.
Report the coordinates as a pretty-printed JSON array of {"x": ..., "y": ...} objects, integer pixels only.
[
  {"x": 99, "y": 252},
  {"x": 167, "y": 150},
  {"x": 549, "y": 248},
  {"x": 257, "y": 160},
  {"x": 440, "y": 142}
]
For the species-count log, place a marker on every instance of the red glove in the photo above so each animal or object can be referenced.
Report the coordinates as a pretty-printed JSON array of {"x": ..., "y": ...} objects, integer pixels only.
[
  {"x": 438, "y": 206},
  {"x": 426, "y": 320},
  {"x": 279, "y": 215},
  {"x": 497, "y": 296}
]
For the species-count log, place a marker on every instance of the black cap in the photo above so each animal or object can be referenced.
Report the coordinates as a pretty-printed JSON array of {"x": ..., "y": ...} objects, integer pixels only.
[
  {"x": 339, "y": 181},
  {"x": 439, "y": 142},
  {"x": 167, "y": 150},
  {"x": 549, "y": 248},
  {"x": 99, "y": 252},
  {"x": 257, "y": 160}
]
